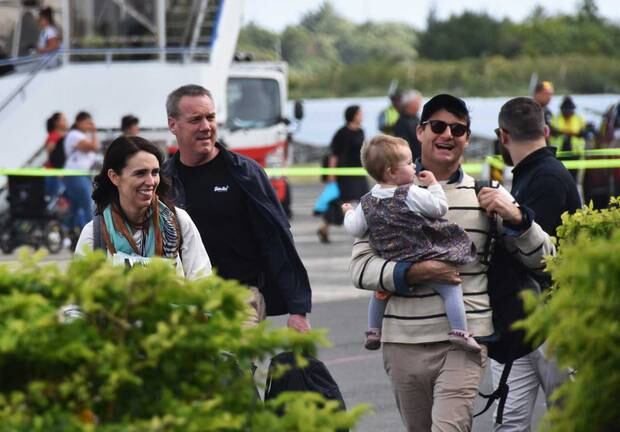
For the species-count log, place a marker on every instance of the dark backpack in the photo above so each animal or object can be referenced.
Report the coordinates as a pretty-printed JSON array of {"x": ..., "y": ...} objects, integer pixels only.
[
  {"x": 507, "y": 279},
  {"x": 58, "y": 157},
  {"x": 314, "y": 377}
]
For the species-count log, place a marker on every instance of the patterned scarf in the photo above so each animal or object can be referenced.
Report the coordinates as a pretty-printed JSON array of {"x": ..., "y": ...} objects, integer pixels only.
[{"x": 161, "y": 232}]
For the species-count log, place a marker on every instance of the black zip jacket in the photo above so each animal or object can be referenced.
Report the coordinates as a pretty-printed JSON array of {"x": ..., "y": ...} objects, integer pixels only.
[
  {"x": 542, "y": 183},
  {"x": 284, "y": 283}
]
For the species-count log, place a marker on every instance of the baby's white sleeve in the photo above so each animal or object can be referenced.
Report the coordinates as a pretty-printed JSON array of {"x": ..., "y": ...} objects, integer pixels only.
[
  {"x": 355, "y": 222},
  {"x": 430, "y": 202}
]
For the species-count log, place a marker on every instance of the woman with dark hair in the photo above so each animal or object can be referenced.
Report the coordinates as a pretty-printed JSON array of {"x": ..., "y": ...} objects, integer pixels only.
[
  {"x": 345, "y": 152},
  {"x": 49, "y": 39},
  {"x": 81, "y": 146},
  {"x": 56, "y": 127},
  {"x": 136, "y": 219}
]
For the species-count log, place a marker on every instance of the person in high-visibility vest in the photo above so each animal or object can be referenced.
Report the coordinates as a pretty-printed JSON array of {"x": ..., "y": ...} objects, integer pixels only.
[
  {"x": 569, "y": 129},
  {"x": 389, "y": 116},
  {"x": 568, "y": 132},
  {"x": 543, "y": 92}
]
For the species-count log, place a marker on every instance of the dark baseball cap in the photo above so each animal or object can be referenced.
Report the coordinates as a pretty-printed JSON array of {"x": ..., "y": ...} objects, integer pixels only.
[{"x": 450, "y": 103}]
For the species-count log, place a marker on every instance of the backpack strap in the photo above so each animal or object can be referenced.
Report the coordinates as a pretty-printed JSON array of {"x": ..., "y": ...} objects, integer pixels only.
[
  {"x": 493, "y": 230},
  {"x": 98, "y": 243},
  {"x": 500, "y": 394}
]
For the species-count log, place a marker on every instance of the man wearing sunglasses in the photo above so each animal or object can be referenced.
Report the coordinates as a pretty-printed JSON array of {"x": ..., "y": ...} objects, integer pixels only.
[
  {"x": 434, "y": 385},
  {"x": 544, "y": 185}
]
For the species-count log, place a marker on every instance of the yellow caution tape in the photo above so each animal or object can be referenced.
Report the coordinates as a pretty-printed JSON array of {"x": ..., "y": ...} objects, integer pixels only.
[
  {"x": 498, "y": 163},
  {"x": 44, "y": 172},
  {"x": 592, "y": 152},
  {"x": 470, "y": 168}
]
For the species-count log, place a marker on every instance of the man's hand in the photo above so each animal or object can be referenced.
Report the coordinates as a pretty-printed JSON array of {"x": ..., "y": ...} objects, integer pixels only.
[
  {"x": 495, "y": 200},
  {"x": 439, "y": 271},
  {"x": 346, "y": 207},
  {"x": 299, "y": 323},
  {"x": 427, "y": 178}
]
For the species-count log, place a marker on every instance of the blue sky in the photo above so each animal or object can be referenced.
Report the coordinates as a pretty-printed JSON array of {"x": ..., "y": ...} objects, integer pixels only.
[{"x": 277, "y": 14}]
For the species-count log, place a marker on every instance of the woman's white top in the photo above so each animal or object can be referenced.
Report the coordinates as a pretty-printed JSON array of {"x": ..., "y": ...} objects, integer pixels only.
[
  {"x": 430, "y": 202},
  {"x": 49, "y": 32},
  {"x": 77, "y": 159},
  {"x": 192, "y": 263}
]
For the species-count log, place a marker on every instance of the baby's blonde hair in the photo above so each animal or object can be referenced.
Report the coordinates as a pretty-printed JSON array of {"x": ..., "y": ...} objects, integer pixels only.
[{"x": 380, "y": 153}]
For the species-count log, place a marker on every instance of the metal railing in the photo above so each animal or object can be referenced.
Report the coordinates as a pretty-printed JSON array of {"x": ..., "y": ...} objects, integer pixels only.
[
  {"x": 171, "y": 54},
  {"x": 43, "y": 62},
  {"x": 38, "y": 63}
]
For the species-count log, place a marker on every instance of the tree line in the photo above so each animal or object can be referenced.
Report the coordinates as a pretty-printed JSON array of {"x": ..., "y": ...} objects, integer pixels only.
[{"x": 471, "y": 53}]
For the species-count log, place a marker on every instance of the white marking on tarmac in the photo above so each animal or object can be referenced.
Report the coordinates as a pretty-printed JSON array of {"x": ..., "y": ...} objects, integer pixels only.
[{"x": 327, "y": 293}]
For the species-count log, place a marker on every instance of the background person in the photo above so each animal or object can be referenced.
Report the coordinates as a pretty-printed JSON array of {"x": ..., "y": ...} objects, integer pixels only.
[
  {"x": 241, "y": 222},
  {"x": 81, "y": 145},
  {"x": 49, "y": 37},
  {"x": 543, "y": 92},
  {"x": 408, "y": 121},
  {"x": 389, "y": 116},
  {"x": 130, "y": 125},
  {"x": 345, "y": 153},
  {"x": 56, "y": 127},
  {"x": 137, "y": 220},
  {"x": 569, "y": 131}
]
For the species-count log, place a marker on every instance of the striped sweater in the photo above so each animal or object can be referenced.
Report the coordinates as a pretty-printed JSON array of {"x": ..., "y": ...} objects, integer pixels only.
[{"x": 421, "y": 318}]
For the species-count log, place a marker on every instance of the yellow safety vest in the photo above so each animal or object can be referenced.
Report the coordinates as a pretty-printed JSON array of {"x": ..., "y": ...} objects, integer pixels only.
[
  {"x": 390, "y": 116},
  {"x": 574, "y": 124}
]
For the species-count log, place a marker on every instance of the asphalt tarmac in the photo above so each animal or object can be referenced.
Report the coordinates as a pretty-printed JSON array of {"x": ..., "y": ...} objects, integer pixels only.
[{"x": 342, "y": 309}]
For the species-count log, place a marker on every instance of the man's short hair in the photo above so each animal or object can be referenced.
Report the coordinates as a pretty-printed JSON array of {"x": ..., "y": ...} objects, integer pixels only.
[
  {"x": 452, "y": 104},
  {"x": 409, "y": 95},
  {"x": 523, "y": 119},
  {"x": 172, "y": 102},
  {"x": 350, "y": 112},
  {"x": 543, "y": 85},
  {"x": 380, "y": 153},
  {"x": 128, "y": 121}
]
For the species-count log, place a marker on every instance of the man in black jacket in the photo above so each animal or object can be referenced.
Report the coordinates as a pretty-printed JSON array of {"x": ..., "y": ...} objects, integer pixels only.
[
  {"x": 544, "y": 185},
  {"x": 232, "y": 202}
]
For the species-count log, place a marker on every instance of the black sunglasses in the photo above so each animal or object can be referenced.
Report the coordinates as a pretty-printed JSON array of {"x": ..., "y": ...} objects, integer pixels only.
[{"x": 438, "y": 127}]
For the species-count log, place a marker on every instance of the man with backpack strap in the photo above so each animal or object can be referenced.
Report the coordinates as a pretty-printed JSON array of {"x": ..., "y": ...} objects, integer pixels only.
[
  {"x": 545, "y": 186},
  {"x": 435, "y": 385}
]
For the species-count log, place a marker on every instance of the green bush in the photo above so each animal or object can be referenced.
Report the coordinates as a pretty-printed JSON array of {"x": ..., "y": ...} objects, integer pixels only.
[
  {"x": 152, "y": 352},
  {"x": 580, "y": 319}
]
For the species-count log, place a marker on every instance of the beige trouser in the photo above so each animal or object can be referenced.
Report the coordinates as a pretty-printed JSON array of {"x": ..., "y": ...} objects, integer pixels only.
[
  {"x": 258, "y": 310},
  {"x": 435, "y": 384}
]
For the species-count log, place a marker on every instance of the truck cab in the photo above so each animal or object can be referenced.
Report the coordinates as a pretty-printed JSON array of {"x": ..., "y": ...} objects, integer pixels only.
[{"x": 256, "y": 124}]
